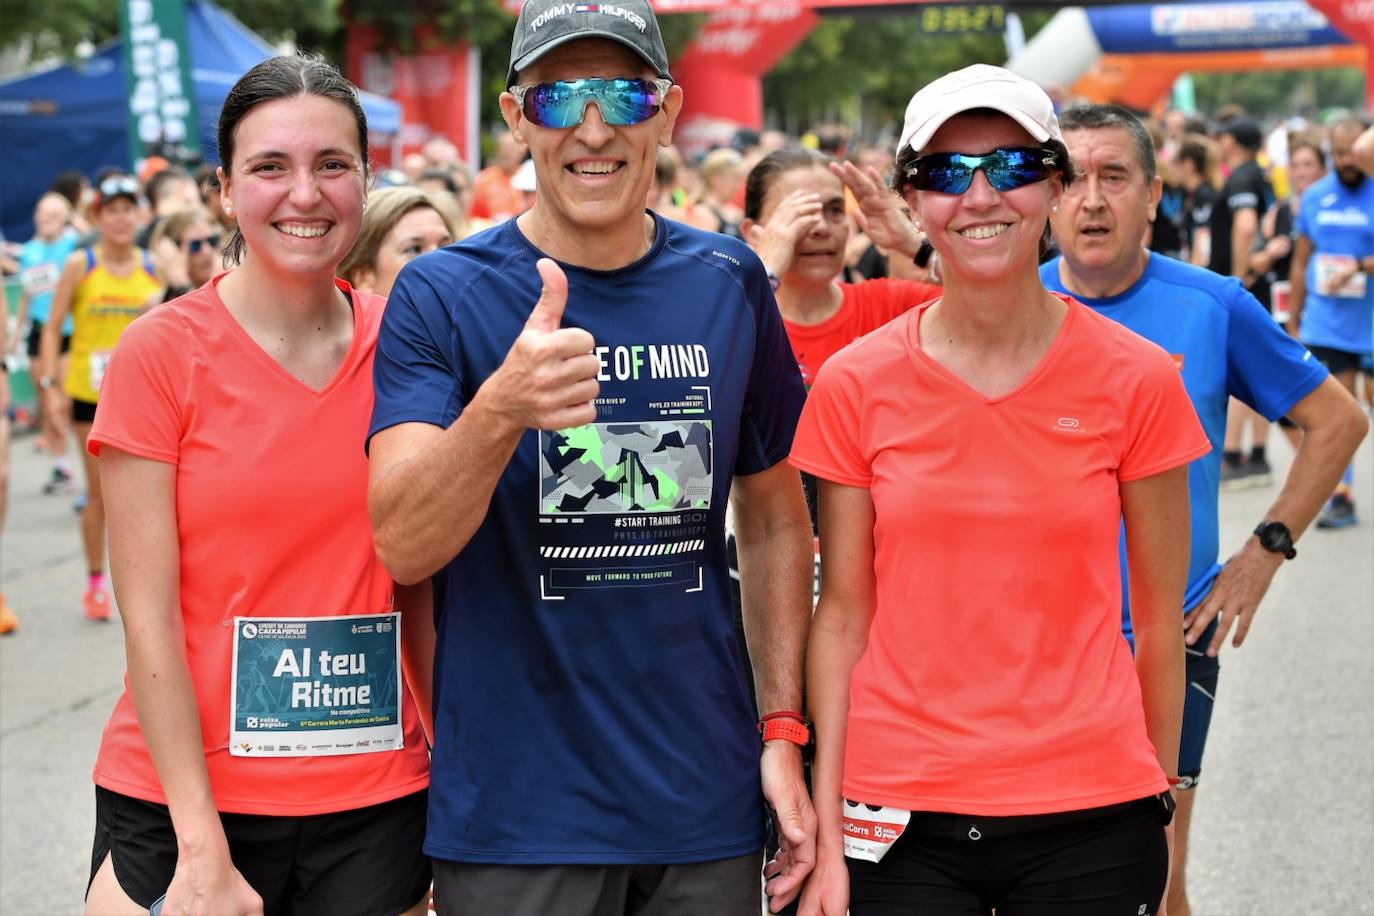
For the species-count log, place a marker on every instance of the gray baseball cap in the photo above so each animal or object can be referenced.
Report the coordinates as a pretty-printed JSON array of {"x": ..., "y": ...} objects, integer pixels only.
[{"x": 545, "y": 24}]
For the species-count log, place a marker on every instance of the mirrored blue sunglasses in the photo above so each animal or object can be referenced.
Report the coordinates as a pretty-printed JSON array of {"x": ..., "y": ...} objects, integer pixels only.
[
  {"x": 622, "y": 102},
  {"x": 1005, "y": 168}
]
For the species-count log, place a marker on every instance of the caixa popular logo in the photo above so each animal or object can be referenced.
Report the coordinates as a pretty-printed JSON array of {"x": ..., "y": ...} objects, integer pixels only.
[{"x": 250, "y": 630}]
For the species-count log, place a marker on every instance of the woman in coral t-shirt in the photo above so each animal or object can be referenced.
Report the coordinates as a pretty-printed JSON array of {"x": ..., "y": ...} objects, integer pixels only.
[
  {"x": 983, "y": 741},
  {"x": 266, "y": 755}
]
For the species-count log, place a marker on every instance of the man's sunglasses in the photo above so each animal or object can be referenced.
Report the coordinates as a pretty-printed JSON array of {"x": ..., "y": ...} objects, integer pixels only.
[
  {"x": 193, "y": 246},
  {"x": 622, "y": 102},
  {"x": 1006, "y": 169}
]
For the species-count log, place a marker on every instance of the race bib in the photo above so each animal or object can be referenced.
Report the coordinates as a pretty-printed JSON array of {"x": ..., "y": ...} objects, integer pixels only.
[
  {"x": 98, "y": 362},
  {"x": 870, "y": 831},
  {"x": 39, "y": 279},
  {"x": 1330, "y": 267},
  {"x": 316, "y": 686}
]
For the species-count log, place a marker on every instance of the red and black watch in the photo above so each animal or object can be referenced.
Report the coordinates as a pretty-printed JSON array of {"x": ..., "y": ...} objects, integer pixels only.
[{"x": 786, "y": 725}]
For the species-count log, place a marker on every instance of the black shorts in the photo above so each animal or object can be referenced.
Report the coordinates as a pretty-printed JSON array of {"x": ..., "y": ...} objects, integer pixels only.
[
  {"x": 82, "y": 411},
  {"x": 367, "y": 861},
  {"x": 36, "y": 338},
  {"x": 1337, "y": 361},
  {"x": 1079, "y": 863}
]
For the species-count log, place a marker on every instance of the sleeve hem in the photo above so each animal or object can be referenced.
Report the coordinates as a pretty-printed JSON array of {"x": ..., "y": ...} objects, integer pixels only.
[
  {"x": 380, "y": 424},
  {"x": 1295, "y": 394},
  {"x": 830, "y": 474},
  {"x": 769, "y": 460},
  {"x": 94, "y": 445},
  {"x": 1167, "y": 464}
]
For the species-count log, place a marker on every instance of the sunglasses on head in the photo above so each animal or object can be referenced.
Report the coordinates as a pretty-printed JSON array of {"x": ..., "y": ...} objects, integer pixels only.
[
  {"x": 193, "y": 246},
  {"x": 117, "y": 185},
  {"x": 622, "y": 102},
  {"x": 1005, "y": 169}
]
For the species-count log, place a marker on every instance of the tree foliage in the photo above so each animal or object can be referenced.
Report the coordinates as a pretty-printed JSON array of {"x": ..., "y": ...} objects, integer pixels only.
[
  {"x": 56, "y": 27},
  {"x": 1279, "y": 93},
  {"x": 863, "y": 69}
]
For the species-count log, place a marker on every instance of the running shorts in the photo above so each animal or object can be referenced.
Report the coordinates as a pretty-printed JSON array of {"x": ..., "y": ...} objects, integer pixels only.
[
  {"x": 1077, "y": 863},
  {"x": 367, "y": 861}
]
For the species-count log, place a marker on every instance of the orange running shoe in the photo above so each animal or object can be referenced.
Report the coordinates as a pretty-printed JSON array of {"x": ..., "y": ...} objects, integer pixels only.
[
  {"x": 96, "y": 604},
  {"x": 8, "y": 622}
]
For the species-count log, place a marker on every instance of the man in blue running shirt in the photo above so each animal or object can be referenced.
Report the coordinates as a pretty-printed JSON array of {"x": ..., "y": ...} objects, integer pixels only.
[
  {"x": 1331, "y": 309},
  {"x": 565, "y": 403},
  {"x": 1226, "y": 345}
]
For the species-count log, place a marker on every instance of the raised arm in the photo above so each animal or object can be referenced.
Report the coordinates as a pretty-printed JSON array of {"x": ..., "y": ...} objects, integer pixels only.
[
  {"x": 140, "y": 505},
  {"x": 429, "y": 488}
]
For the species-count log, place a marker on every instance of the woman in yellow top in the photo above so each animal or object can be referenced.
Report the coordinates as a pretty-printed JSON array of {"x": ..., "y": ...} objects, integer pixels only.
[{"x": 104, "y": 288}]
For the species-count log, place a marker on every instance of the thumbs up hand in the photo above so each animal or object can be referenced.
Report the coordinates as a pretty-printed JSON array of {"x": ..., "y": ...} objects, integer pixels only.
[{"x": 548, "y": 379}]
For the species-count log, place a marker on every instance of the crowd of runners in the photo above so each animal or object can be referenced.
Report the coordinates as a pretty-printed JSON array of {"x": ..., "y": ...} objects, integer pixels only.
[{"x": 810, "y": 524}]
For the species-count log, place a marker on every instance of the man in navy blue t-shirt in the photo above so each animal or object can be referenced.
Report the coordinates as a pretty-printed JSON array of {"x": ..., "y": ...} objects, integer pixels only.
[
  {"x": 1226, "y": 345},
  {"x": 565, "y": 403}
]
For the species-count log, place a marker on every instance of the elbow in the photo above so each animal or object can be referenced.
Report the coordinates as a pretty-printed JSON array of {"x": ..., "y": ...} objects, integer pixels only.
[
  {"x": 390, "y": 545},
  {"x": 400, "y": 563},
  {"x": 1357, "y": 426}
]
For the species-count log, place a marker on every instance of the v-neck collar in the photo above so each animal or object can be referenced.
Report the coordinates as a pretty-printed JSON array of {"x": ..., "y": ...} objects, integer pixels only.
[
  {"x": 345, "y": 366},
  {"x": 923, "y": 360}
]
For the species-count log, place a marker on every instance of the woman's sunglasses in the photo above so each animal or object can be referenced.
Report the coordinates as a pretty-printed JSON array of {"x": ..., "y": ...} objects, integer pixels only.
[
  {"x": 193, "y": 246},
  {"x": 1005, "y": 169},
  {"x": 622, "y": 102}
]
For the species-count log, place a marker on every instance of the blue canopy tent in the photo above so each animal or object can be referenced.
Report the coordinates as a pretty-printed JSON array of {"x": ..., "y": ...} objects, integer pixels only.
[{"x": 73, "y": 117}]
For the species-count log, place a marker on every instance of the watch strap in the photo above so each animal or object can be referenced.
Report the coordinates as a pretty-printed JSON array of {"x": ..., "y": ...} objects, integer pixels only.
[{"x": 786, "y": 730}]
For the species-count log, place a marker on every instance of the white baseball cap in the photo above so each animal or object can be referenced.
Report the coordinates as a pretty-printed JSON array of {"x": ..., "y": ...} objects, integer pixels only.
[{"x": 978, "y": 86}]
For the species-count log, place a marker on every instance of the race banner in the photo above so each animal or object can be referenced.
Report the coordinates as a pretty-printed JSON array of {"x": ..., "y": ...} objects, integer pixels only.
[
  {"x": 314, "y": 686},
  {"x": 437, "y": 88},
  {"x": 157, "y": 76}
]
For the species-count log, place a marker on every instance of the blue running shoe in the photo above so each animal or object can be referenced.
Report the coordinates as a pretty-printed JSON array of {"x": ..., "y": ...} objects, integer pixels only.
[{"x": 1339, "y": 513}]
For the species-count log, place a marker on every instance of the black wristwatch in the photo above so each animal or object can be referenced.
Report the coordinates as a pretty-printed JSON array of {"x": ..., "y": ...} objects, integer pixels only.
[{"x": 1276, "y": 538}]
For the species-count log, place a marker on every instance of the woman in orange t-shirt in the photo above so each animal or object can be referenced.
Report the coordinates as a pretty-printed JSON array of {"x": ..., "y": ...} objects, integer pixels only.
[
  {"x": 983, "y": 739},
  {"x": 267, "y": 755}
]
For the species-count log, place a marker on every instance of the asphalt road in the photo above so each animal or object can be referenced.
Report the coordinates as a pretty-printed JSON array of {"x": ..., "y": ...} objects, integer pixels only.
[{"x": 1285, "y": 816}]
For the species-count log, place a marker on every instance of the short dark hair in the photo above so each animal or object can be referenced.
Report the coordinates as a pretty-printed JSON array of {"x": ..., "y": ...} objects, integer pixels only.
[
  {"x": 1103, "y": 117},
  {"x": 69, "y": 184},
  {"x": 159, "y": 183},
  {"x": 282, "y": 77},
  {"x": 770, "y": 167},
  {"x": 443, "y": 177}
]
